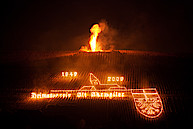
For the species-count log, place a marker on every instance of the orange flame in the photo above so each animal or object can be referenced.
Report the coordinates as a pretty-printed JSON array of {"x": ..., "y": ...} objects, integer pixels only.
[{"x": 95, "y": 30}]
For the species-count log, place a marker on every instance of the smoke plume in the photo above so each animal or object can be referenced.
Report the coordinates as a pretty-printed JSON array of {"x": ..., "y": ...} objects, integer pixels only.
[{"x": 106, "y": 37}]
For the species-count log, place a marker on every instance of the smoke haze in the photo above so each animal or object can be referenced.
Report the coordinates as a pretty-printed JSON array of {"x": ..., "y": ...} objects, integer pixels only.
[{"x": 108, "y": 35}]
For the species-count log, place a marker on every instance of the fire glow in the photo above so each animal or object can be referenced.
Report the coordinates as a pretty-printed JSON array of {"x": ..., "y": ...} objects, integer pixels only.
[
  {"x": 93, "y": 44},
  {"x": 95, "y": 30}
]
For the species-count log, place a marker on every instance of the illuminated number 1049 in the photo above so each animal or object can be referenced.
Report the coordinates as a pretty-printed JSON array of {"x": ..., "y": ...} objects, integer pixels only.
[{"x": 69, "y": 74}]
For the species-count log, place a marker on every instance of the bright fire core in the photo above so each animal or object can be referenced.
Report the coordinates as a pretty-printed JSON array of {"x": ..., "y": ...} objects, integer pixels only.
[{"x": 95, "y": 30}]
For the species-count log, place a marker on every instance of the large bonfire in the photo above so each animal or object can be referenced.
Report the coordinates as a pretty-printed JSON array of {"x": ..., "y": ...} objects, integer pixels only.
[
  {"x": 93, "y": 46},
  {"x": 95, "y": 30}
]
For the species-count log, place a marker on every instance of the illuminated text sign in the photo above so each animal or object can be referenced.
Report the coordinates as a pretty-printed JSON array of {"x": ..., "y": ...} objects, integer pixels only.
[{"x": 147, "y": 101}]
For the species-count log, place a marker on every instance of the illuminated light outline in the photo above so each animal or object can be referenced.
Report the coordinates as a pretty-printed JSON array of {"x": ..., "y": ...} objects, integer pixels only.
[
  {"x": 62, "y": 74},
  {"x": 121, "y": 79},
  {"x": 108, "y": 79},
  {"x": 107, "y": 95},
  {"x": 69, "y": 74},
  {"x": 66, "y": 74},
  {"x": 96, "y": 79},
  {"x": 92, "y": 87},
  {"x": 115, "y": 79},
  {"x": 75, "y": 74},
  {"x": 145, "y": 100},
  {"x": 148, "y": 106},
  {"x": 49, "y": 95},
  {"x": 99, "y": 83}
]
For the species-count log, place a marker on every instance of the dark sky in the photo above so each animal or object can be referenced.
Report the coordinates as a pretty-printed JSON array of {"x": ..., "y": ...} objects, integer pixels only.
[{"x": 140, "y": 25}]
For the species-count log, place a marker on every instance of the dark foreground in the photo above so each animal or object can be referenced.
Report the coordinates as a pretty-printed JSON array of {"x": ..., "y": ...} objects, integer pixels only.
[{"x": 170, "y": 74}]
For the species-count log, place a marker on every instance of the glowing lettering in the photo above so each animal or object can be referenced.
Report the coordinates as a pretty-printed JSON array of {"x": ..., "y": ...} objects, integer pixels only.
[
  {"x": 51, "y": 95},
  {"x": 121, "y": 79},
  {"x": 62, "y": 74},
  {"x": 33, "y": 95},
  {"x": 69, "y": 74},
  {"x": 92, "y": 94},
  {"x": 39, "y": 95},
  {"x": 115, "y": 79},
  {"x": 69, "y": 95},
  {"x": 81, "y": 94},
  {"x": 66, "y": 74},
  {"x": 75, "y": 74},
  {"x": 106, "y": 94}
]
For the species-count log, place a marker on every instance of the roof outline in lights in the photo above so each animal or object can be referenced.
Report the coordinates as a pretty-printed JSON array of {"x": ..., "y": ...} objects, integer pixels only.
[{"x": 96, "y": 84}]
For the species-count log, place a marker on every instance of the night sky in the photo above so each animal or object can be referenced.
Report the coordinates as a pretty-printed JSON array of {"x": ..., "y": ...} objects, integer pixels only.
[{"x": 138, "y": 25}]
